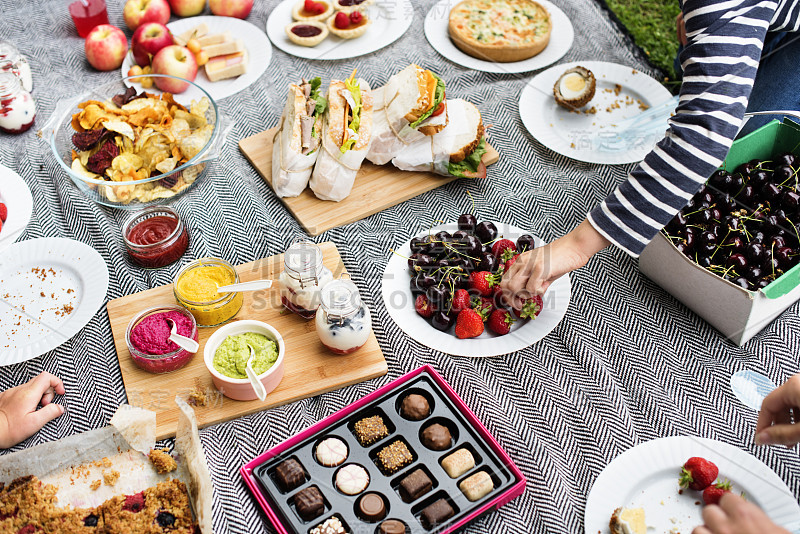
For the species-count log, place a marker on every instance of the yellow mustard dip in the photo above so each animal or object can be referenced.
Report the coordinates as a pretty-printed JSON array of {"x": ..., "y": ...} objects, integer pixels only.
[{"x": 196, "y": 290}]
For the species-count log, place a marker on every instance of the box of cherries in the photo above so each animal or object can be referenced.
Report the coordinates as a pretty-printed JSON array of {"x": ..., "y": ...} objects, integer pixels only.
[{"x": 409, "y": 457}]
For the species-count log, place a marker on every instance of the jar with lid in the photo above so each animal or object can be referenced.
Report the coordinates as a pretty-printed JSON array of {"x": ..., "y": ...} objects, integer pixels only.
[
  {"x": 12, "y": 61},
  {"x": 302, "y": 278},
  {"x": 343, "y": 321},
  {"x": 17, "y": 108}
]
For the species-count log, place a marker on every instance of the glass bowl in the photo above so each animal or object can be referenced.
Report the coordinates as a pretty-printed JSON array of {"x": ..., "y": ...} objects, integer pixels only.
[
  {"x": 137, "y": 193},
  {"x": 160, "y": 363}
]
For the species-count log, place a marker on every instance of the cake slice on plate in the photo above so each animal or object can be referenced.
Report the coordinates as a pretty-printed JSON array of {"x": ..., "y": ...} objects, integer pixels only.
[{"x": 628, "y": 521}]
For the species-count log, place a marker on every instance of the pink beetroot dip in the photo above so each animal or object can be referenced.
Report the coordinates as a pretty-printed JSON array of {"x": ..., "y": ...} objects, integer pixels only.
[{"x": 151, "y": 335}]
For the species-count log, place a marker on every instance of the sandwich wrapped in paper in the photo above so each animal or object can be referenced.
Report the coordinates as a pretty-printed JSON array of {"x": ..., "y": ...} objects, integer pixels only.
[
  {"x": 410, "y": 107},
  {"x": 296, "y": 145},
  {"x": 346, "y": 136},
  {"x": 455, "y": 151}
]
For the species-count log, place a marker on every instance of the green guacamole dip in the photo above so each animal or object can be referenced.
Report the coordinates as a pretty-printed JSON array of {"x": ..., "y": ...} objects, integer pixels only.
[{"x": 231, "y": 357}]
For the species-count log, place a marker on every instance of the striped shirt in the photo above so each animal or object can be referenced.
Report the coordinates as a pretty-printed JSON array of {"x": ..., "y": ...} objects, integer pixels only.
[{"x": 719, "y": 65}]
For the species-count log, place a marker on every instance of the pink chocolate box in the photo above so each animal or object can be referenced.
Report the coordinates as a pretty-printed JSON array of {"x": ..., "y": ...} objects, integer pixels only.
[{"x": 516, "y": 489}]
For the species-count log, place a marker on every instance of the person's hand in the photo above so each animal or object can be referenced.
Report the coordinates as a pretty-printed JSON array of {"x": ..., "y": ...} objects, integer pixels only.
[
  {"x": 536, "y": 269},
  {"x": 774, "y": 425},
  {"x": 680, "y": 28},
  {"x": 19, "y": 418},
  {"x": 735, "y": 515}
]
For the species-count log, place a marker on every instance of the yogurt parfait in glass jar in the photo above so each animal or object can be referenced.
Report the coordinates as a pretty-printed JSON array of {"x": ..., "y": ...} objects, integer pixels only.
[
  {"x": 17, "y": 108},
  {"x": 343, "y": 321},
  {"x": 302, "y": 278}
]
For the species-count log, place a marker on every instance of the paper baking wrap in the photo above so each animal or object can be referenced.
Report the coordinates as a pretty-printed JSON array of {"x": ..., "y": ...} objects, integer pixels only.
[
  {"x": 432, "y": 153},
  {"x": 335, "y": 172},
  {"x": 73, "y": 463},
  {"x": 290, "y": 168},
  {"x": 389, "y": 134}
]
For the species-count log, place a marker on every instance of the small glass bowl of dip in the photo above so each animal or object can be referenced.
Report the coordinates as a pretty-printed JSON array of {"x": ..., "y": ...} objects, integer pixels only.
[
  {"x": 195, "y": 289},
  {"x": 146, "y": 339},
  {"x": 155, "y": 237}
]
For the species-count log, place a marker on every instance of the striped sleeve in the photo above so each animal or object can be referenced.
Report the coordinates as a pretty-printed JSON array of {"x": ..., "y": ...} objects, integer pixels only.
[{"x": 720, "y": 64}]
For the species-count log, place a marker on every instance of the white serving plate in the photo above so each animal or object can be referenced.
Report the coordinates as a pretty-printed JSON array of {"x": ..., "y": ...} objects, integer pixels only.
[
  {"x": 400, "y": 304},
  {"x": 16, "y": 195}
]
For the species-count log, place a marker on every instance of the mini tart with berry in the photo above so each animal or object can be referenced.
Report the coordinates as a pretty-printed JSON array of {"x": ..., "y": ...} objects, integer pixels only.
[
  {"x": 307, "y": 32},
  {"x": 306, "y": 10},
  {"x": 348, "y": 26},
  {"x": 348, "y": 6}
]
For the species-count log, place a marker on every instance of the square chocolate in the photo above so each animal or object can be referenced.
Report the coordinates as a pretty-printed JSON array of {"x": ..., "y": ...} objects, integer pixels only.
[
  {"x": 309, "y": 503},
  {"x": 290, "y": 474},
  {"x": 437, "y": 513},
  {"x": 415, "y": 485},
  {"x": 370, "y": 430},
  {"x": 394, "y": 456}
]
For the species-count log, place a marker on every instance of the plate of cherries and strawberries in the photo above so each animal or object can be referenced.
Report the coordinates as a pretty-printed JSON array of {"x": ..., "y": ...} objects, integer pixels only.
[{"x": 442, "y": 288}]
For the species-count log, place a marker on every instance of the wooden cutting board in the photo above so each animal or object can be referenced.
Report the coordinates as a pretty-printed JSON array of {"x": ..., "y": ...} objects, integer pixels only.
[
  {"x": 377, "y": 187},
  {"x": 309, "y": 368}
]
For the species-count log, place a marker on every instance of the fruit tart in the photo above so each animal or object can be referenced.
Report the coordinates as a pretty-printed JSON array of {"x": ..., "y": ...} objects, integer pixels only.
[
  {"x": 312, "y": 10},
  {"x": 349, "y": 26},
  {"x": 348, "y": 6},
  {"x": 307, "y": 32}
]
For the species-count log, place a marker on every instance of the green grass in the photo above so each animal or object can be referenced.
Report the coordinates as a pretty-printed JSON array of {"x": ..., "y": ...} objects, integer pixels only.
[{"x": 652, "y": 25}]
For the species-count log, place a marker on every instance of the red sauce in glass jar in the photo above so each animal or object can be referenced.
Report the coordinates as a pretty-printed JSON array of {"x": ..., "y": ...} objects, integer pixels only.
[{"x": 155, "y": 237}]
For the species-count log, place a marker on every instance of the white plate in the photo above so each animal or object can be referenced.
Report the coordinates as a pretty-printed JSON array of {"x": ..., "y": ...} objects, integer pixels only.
[
  {"x": 390, "y": 20},
  {"x": 16, "y": 195},
  {"x": 579, "y": 135},
  {"x": 259, "y": 54},
  {"x": 646, "y": 476},
  {"x": 45, "y": 275},
  {"x": 400, "y": 304},
  {"x": 438, "y": 34}
]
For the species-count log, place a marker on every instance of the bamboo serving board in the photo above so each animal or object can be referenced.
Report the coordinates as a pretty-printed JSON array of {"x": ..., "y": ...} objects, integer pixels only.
[
  {"x": 309, "y": 368},
  {"x": 377, "y": 187}
]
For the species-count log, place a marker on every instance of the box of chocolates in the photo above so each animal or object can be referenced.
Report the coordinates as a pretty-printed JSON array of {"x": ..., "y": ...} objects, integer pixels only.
[{"x": 410, "y": 457}]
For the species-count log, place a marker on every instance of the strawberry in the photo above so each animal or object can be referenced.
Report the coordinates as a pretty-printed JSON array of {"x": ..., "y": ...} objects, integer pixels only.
[
  {"x": 713, "y": 493},
  {"x": 483, "y": 282},
  {"x": 531, "y": 308},
  {"x": 342, "y": 21},
  {"x": 468, "y": 324},
  {"x": 424, "y": 307},
  {"x": 698, "y": 473},
  {"x": 500, "y": 322},
  {"x": 504, "y": 249},
  {"x": 483, "y": 306},
  {"x": 460, "y": 300},
  {"x": 3, "y": 212},
  {"x": 509, "y": 262},
  {"x": 356, "y": 17}
]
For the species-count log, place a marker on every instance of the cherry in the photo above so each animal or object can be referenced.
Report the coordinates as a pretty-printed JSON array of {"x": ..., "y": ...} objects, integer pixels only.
[
  {"x": 691, "y": 238},
  {"x": 787, "y": 158},
  {"x": 467, "y": 222},
  {"x": 707, "y": 242},
  {"x": 753, "y": 273},
  {"x": 737, "y": 261},
  {"x": 790, "y": 201},
  {"x": 783, "y": 173},
  {"x": 731, "y": 222},
  {"x": 758, "y": 178},
  {"x": 727, "y": 203},
  {"x": 736, "y": 183},
  {"x": 764, "y": 282},
  {"x": 443, "y": 236},
  {"x": 755, "y": 252},
  {"x": 418, "y": 244},
  {"x": 683, "y": 248},
  {"x": 747, "y": 196},
  {"x": 772, "y": 265},
  {"x": 770, "y": 191},
  {"x": 425, "y": 280},
  {"x": 758, "y": 237},
  {"x": 459, "y": 235},
  {"x": 526, "y": 241},
  {"x": 783, "y": 255},
  {"x": 704, "y": 261},
  {"x": 776, "y": 242},
  {"x": 488, "y": 262},
  {"x": 718, "y": 180},
  {"x": 442, "y": 321},
  {"x": 473, "y": 246},
  {"x": 486, "y": 231},
  {"x": 745, "y": 168},
  {"x": 742, "y": 282},
  {"x": 736, "y": 244},
  {"x": 414, "y": 286}
]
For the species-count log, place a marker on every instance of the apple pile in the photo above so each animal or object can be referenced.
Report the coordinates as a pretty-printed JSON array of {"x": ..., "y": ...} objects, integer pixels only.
[
  {"x": 455, "y": 279},
  {"x": 742, "y": 225},
  {"x": 154, "y": 51}
]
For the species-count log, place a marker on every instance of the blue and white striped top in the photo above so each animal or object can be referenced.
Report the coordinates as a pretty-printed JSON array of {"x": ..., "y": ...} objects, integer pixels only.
[{"x": 719, "y": 65}]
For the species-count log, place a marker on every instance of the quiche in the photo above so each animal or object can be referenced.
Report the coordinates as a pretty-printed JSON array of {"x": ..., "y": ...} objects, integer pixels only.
[{"x": 500, "y": 30}]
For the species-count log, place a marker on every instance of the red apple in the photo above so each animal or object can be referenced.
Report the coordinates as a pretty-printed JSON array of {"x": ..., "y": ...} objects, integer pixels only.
[
  {"x": 231, "y": 8},
  {"x": 106, "y": 47},
  {"x": 177, "y": 61},
  {"x": 137, "y": 12},
  {"x": 187, "y": 8},
  {"x": 147, "y": 40}
]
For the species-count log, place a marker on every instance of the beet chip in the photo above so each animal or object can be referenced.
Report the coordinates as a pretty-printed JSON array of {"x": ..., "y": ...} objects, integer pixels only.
[
  {"x": 102, "y": 159},
  {"x": 123, "y": 98},
  {"x": 86, "y": 140}
]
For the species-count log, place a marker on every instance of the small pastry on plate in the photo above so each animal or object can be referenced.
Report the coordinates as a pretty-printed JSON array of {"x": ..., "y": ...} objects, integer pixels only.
[
  {"x": 307, "y": 32},
  {"x": 628, "y": 521},
  {"x": 575, "y": 88},
  {"x": 312, "y": 10},
  {"x": 348, "y": 26},
  {"x": 348, "y": 6}
]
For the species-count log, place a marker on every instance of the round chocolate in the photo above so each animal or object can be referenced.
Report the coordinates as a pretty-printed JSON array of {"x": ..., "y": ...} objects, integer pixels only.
[
  {"x": 415, "y": 407},
  {"x": 331, "y": 452},
  {"x": 392, "y": 526},
  {"x": 436, "y": 437},
  {"x": 371, "y": 507}
]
